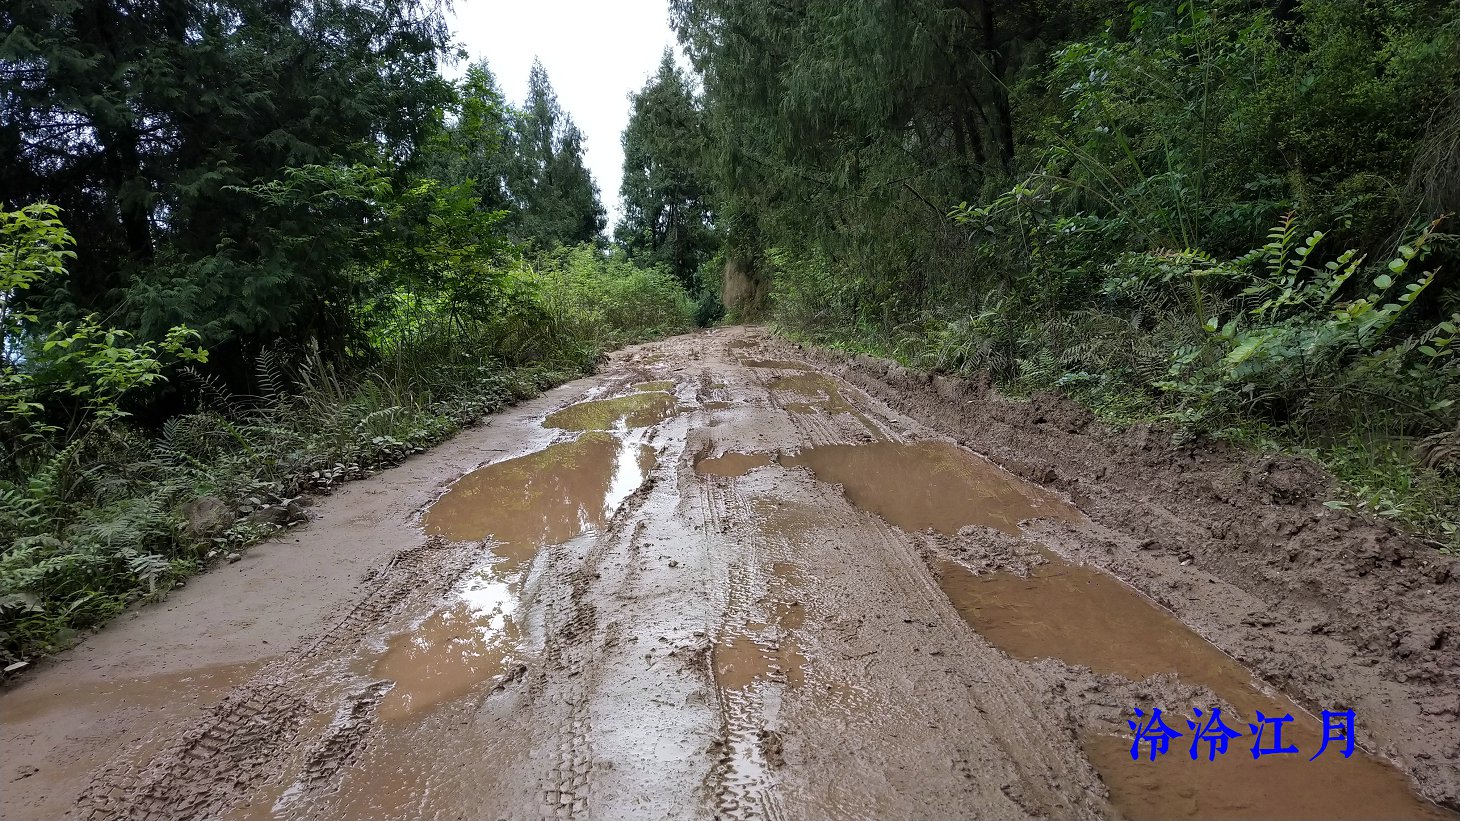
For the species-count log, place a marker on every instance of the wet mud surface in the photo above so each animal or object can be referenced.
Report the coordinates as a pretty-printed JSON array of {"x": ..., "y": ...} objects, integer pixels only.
[{"x": 728, "y": 578}]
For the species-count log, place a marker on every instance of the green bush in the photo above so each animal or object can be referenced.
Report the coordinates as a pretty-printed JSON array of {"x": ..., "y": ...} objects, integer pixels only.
[{"x": 606, "y": 301}]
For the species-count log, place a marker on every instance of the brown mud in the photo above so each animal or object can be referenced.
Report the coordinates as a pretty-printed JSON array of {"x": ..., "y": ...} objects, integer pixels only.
[
  {"x": 636, "y": 410},
  {"x": 701, "y": 586},
  {"x": 777, "y": 364}
]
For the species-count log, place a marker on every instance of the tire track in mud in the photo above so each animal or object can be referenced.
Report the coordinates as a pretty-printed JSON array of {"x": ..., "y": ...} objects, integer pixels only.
[
  {"x": 560, "y": 693},
  {"x": 860, "y": 567},
  {"x": 241, "y": 742},
  {"x": 560, "y": 685}
]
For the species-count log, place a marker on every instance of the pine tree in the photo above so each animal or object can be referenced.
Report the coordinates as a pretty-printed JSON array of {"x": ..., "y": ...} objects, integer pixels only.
[
  {"x": 478, "y": 142},
  {"x": 558, "y": 199},
  {"x": 667, "y": 218}
]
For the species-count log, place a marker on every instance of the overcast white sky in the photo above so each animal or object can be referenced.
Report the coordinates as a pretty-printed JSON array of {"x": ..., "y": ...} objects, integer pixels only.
[{"x": 595, "y": 53}]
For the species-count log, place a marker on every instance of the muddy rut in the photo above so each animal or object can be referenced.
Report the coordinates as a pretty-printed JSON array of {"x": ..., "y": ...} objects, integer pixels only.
[{"x": 729, "y": 578}]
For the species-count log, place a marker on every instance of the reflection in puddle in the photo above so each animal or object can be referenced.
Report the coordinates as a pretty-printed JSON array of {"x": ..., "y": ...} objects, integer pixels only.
[
  {"x": 521, "y": 504},
  {"x": 732, "y": 464},
  {"x": 451, "y": 651},
  {"x": 1085, "y": 617},
  {"x": 637, "y": 410},
  {"x": 920, "y": 485},
  {"x": 778, "y": 364},
  {"x": 545, "y": 497}
]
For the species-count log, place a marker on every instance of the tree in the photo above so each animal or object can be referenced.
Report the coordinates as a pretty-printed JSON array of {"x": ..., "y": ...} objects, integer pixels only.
[
  {"x": 150, "y": 124},
  {"x": 847, "y": 130},
  {"x": 477, "y": 141},
  {"x": 666, "y": 197},
  {"x": 557, "y": 198}
]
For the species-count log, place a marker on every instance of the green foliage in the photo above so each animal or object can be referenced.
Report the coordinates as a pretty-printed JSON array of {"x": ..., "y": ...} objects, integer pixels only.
[
  {"x": 149, "y": 124},
  {"x": 1290, "y": 345},
  {"x": 91, "y": 368},
  {"x": 667, "y": 219},
  {"x": 606, "y": 301},
  {"x": 102, "y": 366},
  {"x": 94, "y": 515},
  {"x": 35, "y": 248}
]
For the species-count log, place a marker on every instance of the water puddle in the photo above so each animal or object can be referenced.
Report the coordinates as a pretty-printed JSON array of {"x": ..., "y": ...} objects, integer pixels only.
[
  {"x": 545, "y": 497},
  {"x": 1089, "y": 618},
  {"x": 1085, "y": 617},
  {"x": 778, "y": 364},
  {"x": 637, "y": 410},
  {"x": 732, "y": 464},
  {"x": 820, "y": 390},
  {"x": 521, "y": 504},
  {"x": 1236, "y": 786},
  {"x": 453, "y": 650},
  {"x": 938, "y": 485},
  {"x": 662, "y": 385},
  {"x": 818, "y": 393}
]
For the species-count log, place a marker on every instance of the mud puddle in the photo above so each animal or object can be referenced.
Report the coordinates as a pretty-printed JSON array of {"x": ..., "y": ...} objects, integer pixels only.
[
  {"x": 663, "y": 385},
  {"x": 637, "y": 410},
  {"x": 931, "y": 484},
  {"x": 1087, "y": 618},
  {"x": 521, "y": 504},
  {"x": 453, "y": 649},
  {"x": 545, "y": 497},
  {"x": 732, "y": 464}
]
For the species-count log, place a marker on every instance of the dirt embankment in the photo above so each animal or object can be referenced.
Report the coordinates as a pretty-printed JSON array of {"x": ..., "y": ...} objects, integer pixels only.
[{"x": 729, "y": 578}]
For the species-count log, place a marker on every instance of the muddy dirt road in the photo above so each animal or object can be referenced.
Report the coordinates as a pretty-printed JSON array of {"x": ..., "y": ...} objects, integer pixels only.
[{"x": 730, "y": 578}]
